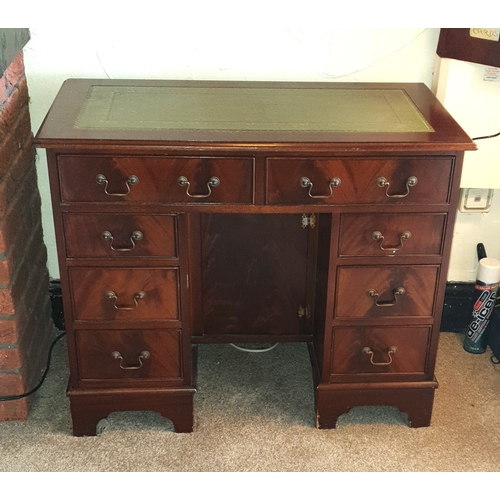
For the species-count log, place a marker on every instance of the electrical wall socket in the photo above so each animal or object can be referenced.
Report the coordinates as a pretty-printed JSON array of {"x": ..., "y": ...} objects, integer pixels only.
[{"x": 475, "y": 200}]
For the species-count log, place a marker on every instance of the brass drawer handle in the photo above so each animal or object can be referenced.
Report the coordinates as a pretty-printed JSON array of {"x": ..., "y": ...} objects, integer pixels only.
[
  {"x": 112, "y": 296},
  {"x": 135, "y": 236},
  {"x": 143, "y": 355},
  {"x": 374, "y": 294},
  {"x": 212, "y": 182},
  {"x": 378, "y": 236},
  {"x": 410, "y": 182},
  {"x": 305, "y": 182},
  {"x": 368, "y": 352},
  {"x": 132, "y": 180}
]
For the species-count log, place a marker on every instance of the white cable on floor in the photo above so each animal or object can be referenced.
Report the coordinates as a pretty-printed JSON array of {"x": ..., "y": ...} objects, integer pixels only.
[{"x": 244, "y": 349}]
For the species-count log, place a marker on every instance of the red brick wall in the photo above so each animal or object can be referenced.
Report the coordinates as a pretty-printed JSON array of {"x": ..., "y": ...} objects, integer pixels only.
[{"x": 26, "y": 328}]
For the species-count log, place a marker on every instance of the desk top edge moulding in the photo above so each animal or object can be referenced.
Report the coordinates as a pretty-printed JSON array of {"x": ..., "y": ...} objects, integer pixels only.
[
  {"x": 191, "y": 212},
  {"x": 250, "y": 112}
]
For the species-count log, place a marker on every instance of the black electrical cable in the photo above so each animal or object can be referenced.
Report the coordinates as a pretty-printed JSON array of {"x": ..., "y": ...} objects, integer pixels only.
[
  {"x": 485, "y": 137},
  {"x": 42, "y": 380}
]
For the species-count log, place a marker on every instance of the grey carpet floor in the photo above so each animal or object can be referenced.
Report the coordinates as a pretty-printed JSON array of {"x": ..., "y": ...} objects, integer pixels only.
[{"x": 255, "y": 412}]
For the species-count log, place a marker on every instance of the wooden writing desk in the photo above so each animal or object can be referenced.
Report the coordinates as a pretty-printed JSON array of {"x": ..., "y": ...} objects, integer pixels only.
[{"x": 196, "y": 212}]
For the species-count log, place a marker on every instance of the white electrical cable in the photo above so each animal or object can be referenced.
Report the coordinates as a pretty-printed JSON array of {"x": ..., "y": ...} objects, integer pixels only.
[{"x": 244, "y": 349}]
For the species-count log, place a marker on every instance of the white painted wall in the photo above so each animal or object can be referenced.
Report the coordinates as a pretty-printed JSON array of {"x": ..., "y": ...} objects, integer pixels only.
[
  {"x": 241, "y": 53},
  {"x": 475, "y": 103}
]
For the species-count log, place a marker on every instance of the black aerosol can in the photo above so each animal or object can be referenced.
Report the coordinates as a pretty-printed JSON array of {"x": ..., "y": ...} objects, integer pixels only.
[{"x": 487, "y": 281}]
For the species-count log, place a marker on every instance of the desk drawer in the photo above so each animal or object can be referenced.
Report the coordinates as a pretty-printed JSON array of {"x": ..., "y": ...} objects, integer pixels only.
[
  {"x": 129, "y": 354},
  {"x": 356, "y": 180},
  {"x": 375, "y": 292},
  {"x": 364, "y": 350},
  {"x": 124, "y": 294},
  {"x": 119, "y": 235},
  {"x": 388, "y": 234},
  {"x": 152, "y": 179}
]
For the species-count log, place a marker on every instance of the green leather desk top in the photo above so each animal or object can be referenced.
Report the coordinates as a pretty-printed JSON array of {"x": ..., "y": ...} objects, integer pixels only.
[{"x": 257, "y": 109}]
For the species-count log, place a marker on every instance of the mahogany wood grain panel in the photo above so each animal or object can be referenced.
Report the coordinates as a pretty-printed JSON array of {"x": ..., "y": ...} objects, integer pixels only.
[
  {"x": 354, "y": 283},
  {"x": 415, "y": 399},
  {"x": 158, "y": 176},
  {"x": 410, "y": 357},
  {"x": 254, "y": 274},
  {"x": 426, "y": 234},
  {"x": 358, "y": 180},
  {"x": 90, "y": 285},
  {"x": 90, "y": 406},
  {"x": 83, "y": 235},
  {"x": 95, "y": 350}
]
